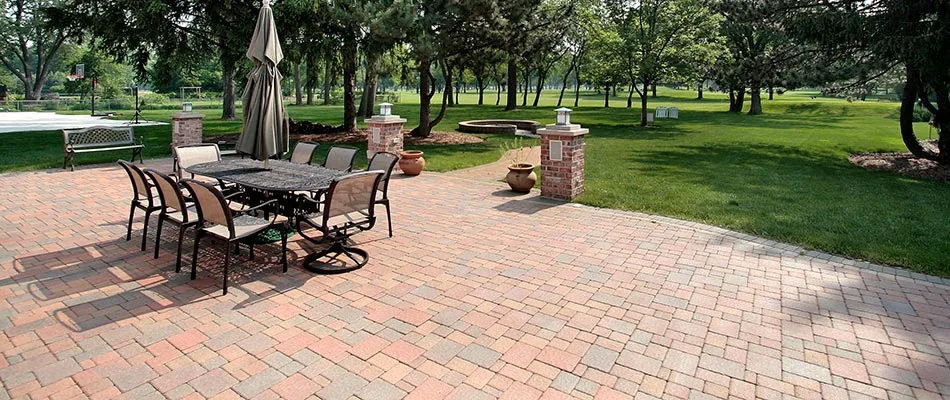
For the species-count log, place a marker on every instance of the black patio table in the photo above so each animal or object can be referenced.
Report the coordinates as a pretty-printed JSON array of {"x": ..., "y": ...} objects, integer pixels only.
[
  {"x": 282, "y": 176},
  {"x": 283, "y": 180}
]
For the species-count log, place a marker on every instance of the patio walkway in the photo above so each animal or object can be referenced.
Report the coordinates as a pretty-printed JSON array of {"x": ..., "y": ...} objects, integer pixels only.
[{"x": 479, "y": 295}]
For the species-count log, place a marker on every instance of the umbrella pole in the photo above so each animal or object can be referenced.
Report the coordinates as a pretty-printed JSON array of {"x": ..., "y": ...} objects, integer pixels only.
[{"x": 266, "y": 166}]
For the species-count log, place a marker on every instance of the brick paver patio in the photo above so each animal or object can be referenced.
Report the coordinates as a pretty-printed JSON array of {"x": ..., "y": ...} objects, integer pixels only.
[{"x": 479, "y": 295}]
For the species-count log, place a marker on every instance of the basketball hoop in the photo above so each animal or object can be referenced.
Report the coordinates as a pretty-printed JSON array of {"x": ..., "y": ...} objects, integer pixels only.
[
  {"x": 80, "y": 73},
  {"x": 73, "y": 77}
]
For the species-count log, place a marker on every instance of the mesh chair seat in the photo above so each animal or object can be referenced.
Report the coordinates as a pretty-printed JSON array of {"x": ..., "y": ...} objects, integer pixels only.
[
  {"x": 341, "y": 158},
  {"x": 244, "y": 226},
  {"x": 353, "y": 218},
  {"x": 191, "y": 214},
  {"x": 303, "y": 152}
]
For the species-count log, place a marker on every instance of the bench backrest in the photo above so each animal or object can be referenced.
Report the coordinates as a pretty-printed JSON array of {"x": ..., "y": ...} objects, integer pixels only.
[{"x": 97, "y": 136}]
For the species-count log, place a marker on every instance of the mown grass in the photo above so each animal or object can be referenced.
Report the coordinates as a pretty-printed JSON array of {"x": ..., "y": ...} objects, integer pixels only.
[{"x": 784, "y": 175}]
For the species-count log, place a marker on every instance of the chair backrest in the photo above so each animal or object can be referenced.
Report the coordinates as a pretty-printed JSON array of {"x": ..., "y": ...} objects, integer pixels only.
[
  {"x": 354, "y": 193},
  {"x": 303, "y": 152},
  {"x": 385, "y": 162},
  {"x": 341, "y": 158},
  {"x": 169, "y": 193},
  {"x": 211, "y": 205},
  {"x": 186, "y": 156},
  {"x": 140, "y": 186}
]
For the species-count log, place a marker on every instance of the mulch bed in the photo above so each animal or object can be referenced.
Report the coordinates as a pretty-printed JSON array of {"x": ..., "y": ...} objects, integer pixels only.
[
  {"x": 436, "y": 138},
  {"x": 903, "y": 163}
]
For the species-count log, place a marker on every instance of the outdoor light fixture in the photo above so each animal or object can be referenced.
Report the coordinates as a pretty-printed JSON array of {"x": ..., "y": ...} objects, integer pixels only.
[
  {"x": 563, "y": 116},
  {"x": 186, "y": 106},
  {"x": 385, "y": 109}
]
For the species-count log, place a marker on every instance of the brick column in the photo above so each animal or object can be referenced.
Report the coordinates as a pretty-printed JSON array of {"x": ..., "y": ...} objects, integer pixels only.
[
  {"x": 384, "y": 134},
  {"x": 562, "y": 161},
  {"x": 187, "y": 128}
]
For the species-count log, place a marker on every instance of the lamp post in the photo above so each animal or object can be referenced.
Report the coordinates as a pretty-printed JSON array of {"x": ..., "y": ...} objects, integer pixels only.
[
  {"x": 385, "y": 109},
  {"x": 563, "y": 116}
]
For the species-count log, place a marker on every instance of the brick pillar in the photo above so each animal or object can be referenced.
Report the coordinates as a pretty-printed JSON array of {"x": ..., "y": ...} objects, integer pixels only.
[
  {"x": 187, "y": 128},
  {"x": 384, "y": 134},
  {"x": 562, "y": 161}
]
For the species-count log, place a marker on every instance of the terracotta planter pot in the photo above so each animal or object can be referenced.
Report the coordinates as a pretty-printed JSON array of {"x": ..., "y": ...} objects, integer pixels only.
[
  {"x": 521, "y": 177},
  {"x": 411, "y": 162}
]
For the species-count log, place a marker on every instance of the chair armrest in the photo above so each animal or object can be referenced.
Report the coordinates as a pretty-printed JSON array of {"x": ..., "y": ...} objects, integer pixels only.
[{"x": 255, "y": 208}]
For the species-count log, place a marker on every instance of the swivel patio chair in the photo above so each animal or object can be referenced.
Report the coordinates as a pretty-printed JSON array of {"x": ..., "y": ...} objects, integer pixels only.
[
  {"x": 348, "y": 207},
  {"x": 385, "y": 162},
  {"x": 174, "y": 209},
  {"x": 143, "y": 198},
  {"x": 231, "y": 226},
  {"x": 341, "y": 158},
  {"x": 303, "y": 152}
]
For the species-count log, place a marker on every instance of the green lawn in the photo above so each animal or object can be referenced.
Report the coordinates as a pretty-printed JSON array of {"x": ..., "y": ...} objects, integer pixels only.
[{"x": 783, "y": 175}]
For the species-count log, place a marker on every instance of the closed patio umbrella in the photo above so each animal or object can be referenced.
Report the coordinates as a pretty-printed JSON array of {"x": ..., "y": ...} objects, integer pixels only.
[{"x": 266, "y": 131}]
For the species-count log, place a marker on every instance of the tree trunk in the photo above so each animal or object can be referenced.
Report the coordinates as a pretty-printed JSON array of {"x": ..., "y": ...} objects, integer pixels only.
[
  {"x": 630, "y": 96},
  {"x": 699, "y": 95},
  {"x": 298, "y": 85},
  {"x": 327, "y": 79},
  {"x": 736, "y": 100},
  {"x": 426, "y": 91},
  {"x": 481, "y": 89},
  {"x": 229, "y": 112},
  {"x": 772, "y": 93},
  {"x": 909, "y": 101},
  {"x": 498, "y": 98},
  {"x": 644, "y": 106},
  {"x": 756, "y": 108},
  {"x": 526, "y": 74},
  {"x": 350, "y": 49},
  {"x": 449, "y": 74},
  {"x": 577, "y": 86},
  {"x": 567, "y": 76},
  {"x": 311, "y": 74},
  {"x": 512, "y": 84},
  {"x": 606, "y": 95},
  {"x": 654, "y": 91},
  {"x": 541, "y": 78},
  {"x": 370, "y": 86},
  {"x": 459, "y": 85}
]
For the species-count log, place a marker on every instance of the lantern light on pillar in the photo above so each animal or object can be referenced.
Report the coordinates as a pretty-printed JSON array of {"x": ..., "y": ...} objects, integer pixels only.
[
  {"x": 563, "y": 116},
  {"x": 386, "y": 109},
  {"x": 186, "y": 106}
]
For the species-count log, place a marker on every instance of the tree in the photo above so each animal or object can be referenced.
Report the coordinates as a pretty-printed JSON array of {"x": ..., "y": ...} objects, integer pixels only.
[
  {"x": 886, "y": 33},
  {"x": 762, "y": 54},
  {"x": 31, "y": 43},
  {"x": 577, "y": 37},
  {"x": 656, "y": 34},
  {"x": 180, "y": 32}
]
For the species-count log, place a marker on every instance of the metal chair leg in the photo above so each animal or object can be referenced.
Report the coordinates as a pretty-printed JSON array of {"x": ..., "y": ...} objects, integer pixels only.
[
  {"x": 283, "y": 247},
  {"x": 227, "y": 263},
  {"x": 194, "y": 257},
  {"x": 181, "y": 238},
  {"x": 389, "y": 218},
  {"x": 158, "y": 233},
  {"x": 128, "y": 236},
  {"x": 148, "y": 214}
]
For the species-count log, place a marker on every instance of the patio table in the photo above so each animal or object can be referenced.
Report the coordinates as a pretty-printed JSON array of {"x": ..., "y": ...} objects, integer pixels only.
[
  {"x": 283, "y": 176},
  {"x": 282, "y": 181}
]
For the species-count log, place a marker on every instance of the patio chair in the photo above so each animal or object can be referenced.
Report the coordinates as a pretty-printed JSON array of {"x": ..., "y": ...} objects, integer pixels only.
[
  {"x": 341, "y": 158},
  {"x": 231, "y": 226},
  {"x": 143, "y": 198},
  {"x": 174, "y": 209},
  {"x": 192, "y": 154},
  {"x": 303, "y": 152},
  {"x": 385, "y": 162},
  {"x": 348, "y": 207}
]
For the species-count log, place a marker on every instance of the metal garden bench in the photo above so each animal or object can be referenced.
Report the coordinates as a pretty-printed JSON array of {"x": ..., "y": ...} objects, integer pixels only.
[{"x": 99, "y": 138}]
